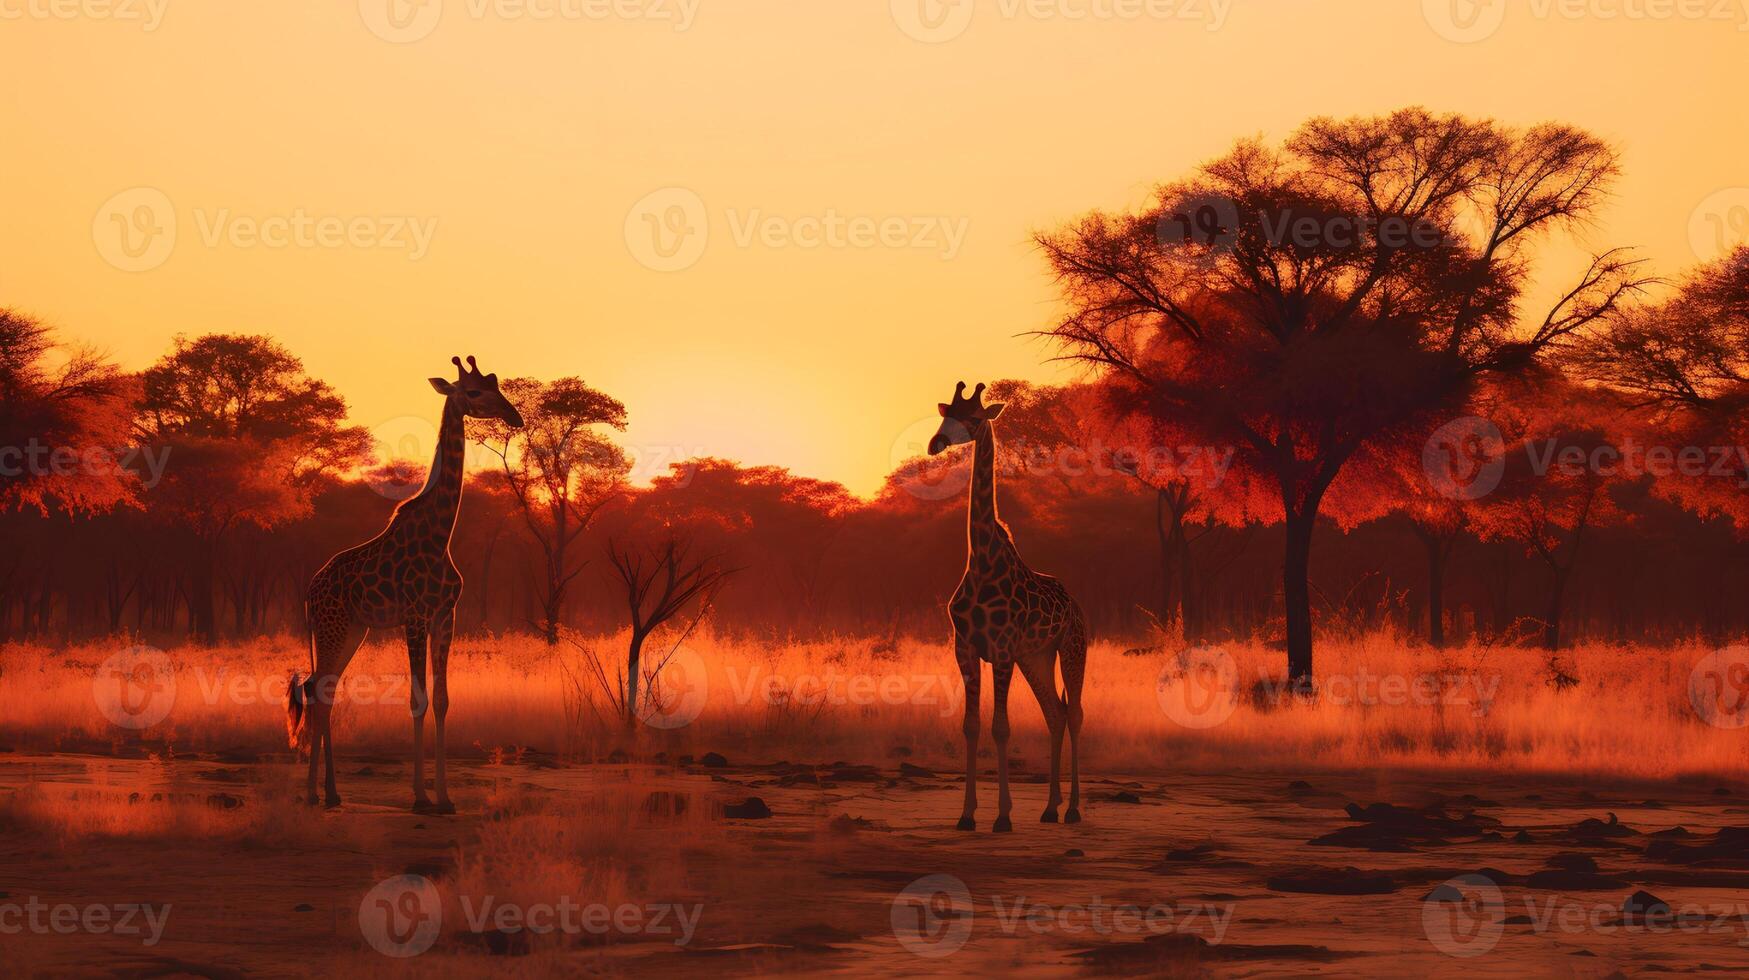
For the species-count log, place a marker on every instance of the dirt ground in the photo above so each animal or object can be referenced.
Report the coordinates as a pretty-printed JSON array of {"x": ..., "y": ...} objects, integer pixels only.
[{"x": 858, "y": 869}]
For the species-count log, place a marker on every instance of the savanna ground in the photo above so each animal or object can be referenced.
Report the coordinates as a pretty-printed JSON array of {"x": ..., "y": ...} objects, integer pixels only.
[{"x": 1470, "y": 811}]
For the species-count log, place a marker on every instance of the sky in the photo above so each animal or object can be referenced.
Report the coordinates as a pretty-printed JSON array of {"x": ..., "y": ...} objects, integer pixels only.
[{"x": 778, "y": 230}]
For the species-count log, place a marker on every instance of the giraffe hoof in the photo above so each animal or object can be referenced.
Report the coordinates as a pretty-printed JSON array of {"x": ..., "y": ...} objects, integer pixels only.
[
  {"x": 423, "y": 806},
  {"x": 1003, "y": 825},
  {"x": 966, "y": 823},
  {"x": 1073, "y": 816},
  {"x": 332, "y": 803},
  {"x": 443, "y": 807},
  {"x": 1049, "y": 816}
]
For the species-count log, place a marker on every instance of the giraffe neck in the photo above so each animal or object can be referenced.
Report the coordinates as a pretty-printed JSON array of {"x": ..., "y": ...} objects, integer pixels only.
[
  {"x": 984, "y": 530},
  {"x": 440, "y": 500}
]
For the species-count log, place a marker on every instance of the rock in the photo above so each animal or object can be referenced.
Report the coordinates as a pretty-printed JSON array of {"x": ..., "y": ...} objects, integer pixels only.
[
  {"x": 1123, "y": 796},
  {"x": 1721, "y": 791},
  {"x": 1074, "y": 852},
  {"x": 1568, "y": 861},
  {"x": 1522, "y": 837},
  {"x": 1443, "y": 893},
  {"x": 752, "y": 808},
  {"x": 224, "y": 801},
  {"x": 916, "y": 772},
  {"x": 303, "y": 907},
  {"x": 1334, "y": 881},
  {"x": 713, "y": 760},
  {"x": 1641, "y": 904},
  {"x": 1299, "y": 786}
]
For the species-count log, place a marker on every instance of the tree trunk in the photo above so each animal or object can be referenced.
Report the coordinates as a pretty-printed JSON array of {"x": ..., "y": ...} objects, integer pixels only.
[
  {"x": 1296, "y": 595},
  {"x": 1552, "y": 622},
  {"x": 202, "y": 626},
  {"x": 1438, "y": 550},
  {"x": 1164, "y": 536},
  {"x": 1189, "y": 597},
  {"x": 634, "y": 658}
]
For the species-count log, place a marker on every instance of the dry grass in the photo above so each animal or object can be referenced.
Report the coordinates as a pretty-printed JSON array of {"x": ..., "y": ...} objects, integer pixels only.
[{"x": 861, "y": 700}]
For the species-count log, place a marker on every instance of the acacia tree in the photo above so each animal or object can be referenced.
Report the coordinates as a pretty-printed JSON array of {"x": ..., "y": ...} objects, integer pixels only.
[
  {"x": 64, "y": 428},
  {"x": 1308, "y": 301},
  {"x": 1683, "y": 365},
  {"x": 248, "y": 437},
  {"x": 562, "y": 469},
  {"x": 1563, "y": 460}
]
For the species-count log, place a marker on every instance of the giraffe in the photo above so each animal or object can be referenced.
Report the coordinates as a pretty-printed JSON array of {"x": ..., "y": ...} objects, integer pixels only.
[
  {"x": 402, "y": 578},
  {"x": 1005, "y": 613}
]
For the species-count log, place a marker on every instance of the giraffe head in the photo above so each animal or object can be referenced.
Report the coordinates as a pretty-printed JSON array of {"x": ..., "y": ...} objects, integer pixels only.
[
  {"x": 478, "y": 394},
  {"x": 963, "y": 418}
]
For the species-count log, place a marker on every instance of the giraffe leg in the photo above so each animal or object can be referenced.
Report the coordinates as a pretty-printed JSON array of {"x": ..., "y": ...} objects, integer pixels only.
[
  {"x": 1002, "y": 673},
  {"x": 335, "y": 645},
  {"x": 1041, "y": 676},
  {"x": 417, "y": 702},
  {"x": 973, "y": 671},
  {"x": 441, "y": 632},
  {"x": 1074, "y": 664}
]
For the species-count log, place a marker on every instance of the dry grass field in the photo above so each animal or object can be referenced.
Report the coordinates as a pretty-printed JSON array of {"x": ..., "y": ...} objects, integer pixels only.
[{"x": 1229, "y": 827}]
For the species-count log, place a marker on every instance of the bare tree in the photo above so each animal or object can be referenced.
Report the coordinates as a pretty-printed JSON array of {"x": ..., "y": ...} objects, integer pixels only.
[{"x": 660, "y": 582}]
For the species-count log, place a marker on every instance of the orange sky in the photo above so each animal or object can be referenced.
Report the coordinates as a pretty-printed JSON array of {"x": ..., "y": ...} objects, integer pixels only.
[{"x": 493, "y": 183}]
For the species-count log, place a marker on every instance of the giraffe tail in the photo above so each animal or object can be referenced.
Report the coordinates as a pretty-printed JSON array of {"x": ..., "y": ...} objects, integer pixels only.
[{"x": 297, "y": 714}]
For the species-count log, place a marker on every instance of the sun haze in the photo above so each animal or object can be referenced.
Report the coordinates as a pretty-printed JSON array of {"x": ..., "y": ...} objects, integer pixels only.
[{"x": 779, "y": 232}]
